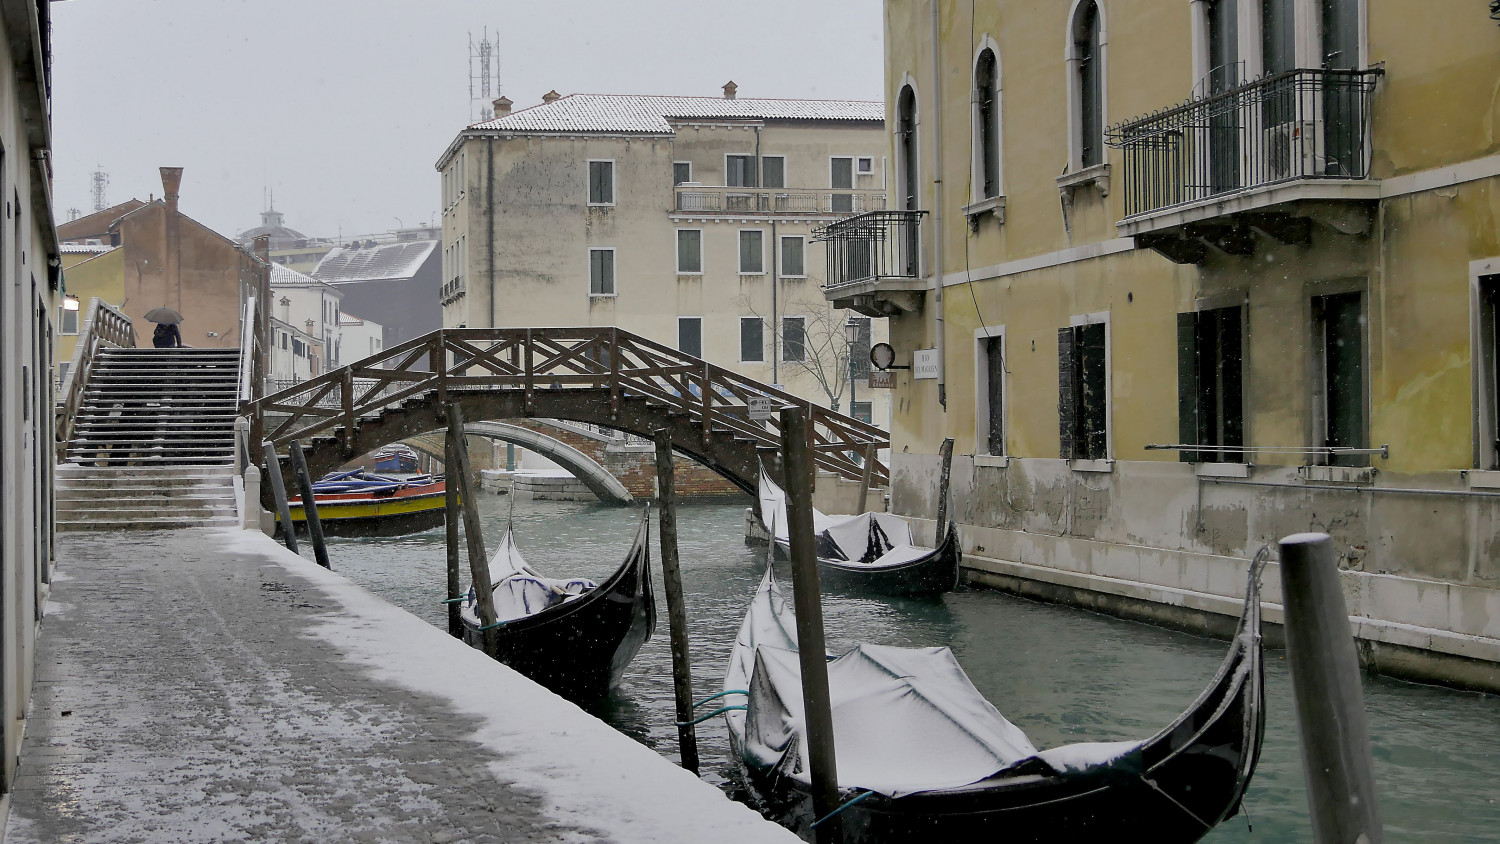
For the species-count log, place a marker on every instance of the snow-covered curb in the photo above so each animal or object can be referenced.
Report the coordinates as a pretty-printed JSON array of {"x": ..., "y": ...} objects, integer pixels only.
[{"x": 590, "y": 774}]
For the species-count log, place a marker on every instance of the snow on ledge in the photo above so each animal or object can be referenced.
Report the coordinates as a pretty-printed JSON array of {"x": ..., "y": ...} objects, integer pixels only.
[{"x": 589, "y": 774}]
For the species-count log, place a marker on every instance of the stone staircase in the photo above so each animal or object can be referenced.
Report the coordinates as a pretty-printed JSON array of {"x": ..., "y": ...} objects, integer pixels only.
[{"x": 153, "y": 442}]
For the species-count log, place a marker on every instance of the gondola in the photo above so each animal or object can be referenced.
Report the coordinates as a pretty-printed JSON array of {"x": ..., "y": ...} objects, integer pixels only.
[
  {"x": 572, "y": 636},
  {"x": 871, "y": 552},
  {"x": 922, "y": 756}
]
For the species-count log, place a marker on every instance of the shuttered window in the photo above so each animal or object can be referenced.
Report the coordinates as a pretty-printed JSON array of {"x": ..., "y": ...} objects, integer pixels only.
[
  {"x": 601, "y": 272},
  {"x": 739, "y": 171},
  {"x": 682, "y": 171},
  {"x": 994, "y": 372},
  {"x": 859, "y": 353},
  {"x": 1083, "y": 381},
  {"x": 601, "y": 183},
  {"x": 773, "y": 171},
  {"x": 690, "y": 336},
  {"x": 752, "y": 252},
  {"x": 690, "y": 251},
  {"x": 792, "y": 260},
  {"x": 1210, "y": 385},
  {"x": 1090, "y": 85},
  {"x": 793, "y": 339},
  {"x": 1488, "y": 365},
  {"x": 752, "y": 339},
  {"x": 1339, "y": 338}
]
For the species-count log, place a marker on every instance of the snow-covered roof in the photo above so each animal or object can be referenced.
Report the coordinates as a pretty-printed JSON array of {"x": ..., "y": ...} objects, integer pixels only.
[
  {"x": 85, "y": 248},
  {"x": 284, "y": 276},
  {"x": 374, "y": 263},
  {"x": 653, "y": 115}
]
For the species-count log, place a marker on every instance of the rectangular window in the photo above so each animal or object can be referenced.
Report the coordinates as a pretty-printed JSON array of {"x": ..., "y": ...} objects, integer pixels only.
[
  {"x": 773, "y": 171},
  {"x": 1339, "y": 343},
  {"x": 841, "y": 177},
  {"x": 1210, "y": 385},
  {"x": 793, "y": 339},
  {"x": 1083, "y": 392},
  {"x": 690, "y": 251},
  {"x": 792, "y": 252},
  {"x": 739, "y": 171},
  {"x": 992, "y": 361},
  {"x": 752, "y": 340},
  {"x": 859, "y": 352},
  {"x": 601, "y": 183},
  {"x": 752, "y": 252},
  {"x": 1488, "y": 366},
  {"x": 860, "y": 410},
  {"x": 865, "y": 165},
  {"x": 690, "y": 335},
  {"x": 601, "y": 272},
  {"x": 682, "y": 171},
  {"x": 69, "y": 322}
]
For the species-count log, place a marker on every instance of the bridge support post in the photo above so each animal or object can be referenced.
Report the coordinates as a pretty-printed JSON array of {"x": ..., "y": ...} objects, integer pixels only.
[
  {"x": 450, "y": 527},
  {"x": 682, "y": 669},
  {"x": 309, "y": 503},
  {"x": 807, "y": 598},
  {"x": 479, "y": 561},
  {"x": 278, "y": 492}
]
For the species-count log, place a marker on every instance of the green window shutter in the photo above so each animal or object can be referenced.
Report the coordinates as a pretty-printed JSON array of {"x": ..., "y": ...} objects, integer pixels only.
[
  {"x": 1232, "y": 367},
  {"x": 1067, "y": 395},
  {"x": 1187, "y": 385}
]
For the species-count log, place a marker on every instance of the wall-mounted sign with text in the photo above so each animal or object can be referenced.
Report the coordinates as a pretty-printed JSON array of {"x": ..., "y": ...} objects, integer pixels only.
[
  {"x": 924, "y": 363},
  {"x": 882, "y": 380}
]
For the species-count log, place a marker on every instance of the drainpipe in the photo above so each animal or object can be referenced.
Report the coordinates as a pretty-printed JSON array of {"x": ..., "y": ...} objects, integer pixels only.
[
  {"x": 937, "y": 207},
  {"x": 775, "y": 288}
]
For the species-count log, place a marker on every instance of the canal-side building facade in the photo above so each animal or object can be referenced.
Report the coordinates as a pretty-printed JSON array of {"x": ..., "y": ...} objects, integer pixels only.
[
  {"x": 688, "y": 220},
  {"x": 30, "y": 295},
  {"x": 1259, "y": 234}
]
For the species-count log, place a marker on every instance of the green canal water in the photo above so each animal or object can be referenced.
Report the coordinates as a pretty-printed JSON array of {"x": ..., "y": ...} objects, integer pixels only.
[{"x": 1062, "y": 675}]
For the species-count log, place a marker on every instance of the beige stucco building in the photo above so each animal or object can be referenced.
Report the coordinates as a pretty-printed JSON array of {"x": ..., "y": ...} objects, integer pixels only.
[
  {"x": 1260, "y": 233},
  {"x": 688, "y": 220}
]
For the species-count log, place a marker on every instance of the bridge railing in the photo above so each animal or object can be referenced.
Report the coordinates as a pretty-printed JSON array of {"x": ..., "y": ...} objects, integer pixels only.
[
  {"x": 533, "y": 360},
  {"x": 104, "y": 327}
]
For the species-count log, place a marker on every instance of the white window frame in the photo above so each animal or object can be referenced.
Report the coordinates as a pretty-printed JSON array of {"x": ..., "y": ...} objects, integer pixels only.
[
  {"x": 982, "y": 391},
  {"x": 61, "y": 326},
  {"x": 674, "y": 172},
  {"x": 1485, "y": 359},
  {"x": 781, "y": 256},
  {"x": 740, "y": 251},
  {"x": 614, "y": 192},
  {"x": 784, "y": 179},
  {"x": 976, "y": 164},
  {"x": 614, "y": 269},
  {"x": 741, "y": 352},
  {"x": 851, "y": 159},
  {"x": 781, "y": 334},
  {"x": 864, "y": 159},
  {"x": 1075, "y": 94},
  {"x": 1107, "y": 464},
  {"x": 678, "y": 345},
  {"x": 677, "y": 251}
]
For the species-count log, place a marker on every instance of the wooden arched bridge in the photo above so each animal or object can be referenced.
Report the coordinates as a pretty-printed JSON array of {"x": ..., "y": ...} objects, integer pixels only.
[{"x": 603, "y": 376}]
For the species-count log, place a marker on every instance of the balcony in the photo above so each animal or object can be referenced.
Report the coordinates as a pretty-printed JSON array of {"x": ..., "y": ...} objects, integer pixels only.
[
  {"x": 1267, "y": 158},
  {"x": 694, "y": 200},
  {"x": 874, "y": 262},
  {"x": 453, "y": 290}
]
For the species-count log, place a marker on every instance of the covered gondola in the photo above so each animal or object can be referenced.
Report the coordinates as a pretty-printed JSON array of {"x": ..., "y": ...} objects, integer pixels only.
[
  {"x": 870, "y": 552},
  {"x": 922, "y": 756},
  {"x": 573, "y": 636}
]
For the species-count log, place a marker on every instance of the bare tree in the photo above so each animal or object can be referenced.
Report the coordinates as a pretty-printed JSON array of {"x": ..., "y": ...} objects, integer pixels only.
[{"x": 824, "y": 349}]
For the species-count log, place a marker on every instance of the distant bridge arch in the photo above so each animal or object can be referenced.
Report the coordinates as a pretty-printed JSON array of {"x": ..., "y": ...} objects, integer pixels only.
[
  {"x": 604, "y": 376},
  {"x": 599, "y": 480}
]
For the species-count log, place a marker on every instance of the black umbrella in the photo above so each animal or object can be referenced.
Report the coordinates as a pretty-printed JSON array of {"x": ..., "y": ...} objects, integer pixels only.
[{"x": 163, "y": 315}]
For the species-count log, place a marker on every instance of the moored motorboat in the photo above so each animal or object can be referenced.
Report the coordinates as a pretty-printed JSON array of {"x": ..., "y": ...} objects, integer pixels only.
[
  {"x": 396, "y": 458},
  {"x": 360, "y": 503},
  {"x": 922, "y": 756},
  {"x": 573, "y": 636},
  {"x": 871, "y": 552}
]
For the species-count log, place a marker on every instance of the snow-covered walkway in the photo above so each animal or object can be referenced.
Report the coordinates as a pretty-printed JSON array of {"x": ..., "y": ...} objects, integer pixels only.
[{"x": 210, "y": 686}]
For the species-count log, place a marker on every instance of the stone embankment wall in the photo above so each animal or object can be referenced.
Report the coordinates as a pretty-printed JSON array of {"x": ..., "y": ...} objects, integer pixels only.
[{"x": 635, "y": 465}]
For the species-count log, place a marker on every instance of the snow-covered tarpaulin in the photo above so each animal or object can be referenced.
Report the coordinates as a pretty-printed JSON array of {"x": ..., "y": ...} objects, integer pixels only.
[
  {"x": 519, "y": 591},
  {"x": 876, "y": 539},
  {"x": 905, "y": 720}
]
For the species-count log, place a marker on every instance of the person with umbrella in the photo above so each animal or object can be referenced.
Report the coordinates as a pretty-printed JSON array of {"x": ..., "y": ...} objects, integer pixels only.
[{"x": 167, "y": 335}]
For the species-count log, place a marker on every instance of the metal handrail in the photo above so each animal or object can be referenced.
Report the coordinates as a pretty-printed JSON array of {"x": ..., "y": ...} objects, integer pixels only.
[
  {"x": 529, "y": 360},
  {"x": 872, "y": 246},
  {"x": 104, "y": 327}
]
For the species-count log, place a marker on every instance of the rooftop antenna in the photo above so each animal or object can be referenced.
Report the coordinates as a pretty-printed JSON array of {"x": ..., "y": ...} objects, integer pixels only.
[
  {"x": 483, "y": 58},
  {"x": 100, "y": 181}
]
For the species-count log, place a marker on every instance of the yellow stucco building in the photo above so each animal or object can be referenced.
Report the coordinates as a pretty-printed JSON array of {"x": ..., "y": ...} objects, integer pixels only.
[{"x": 1260, "y": 234}]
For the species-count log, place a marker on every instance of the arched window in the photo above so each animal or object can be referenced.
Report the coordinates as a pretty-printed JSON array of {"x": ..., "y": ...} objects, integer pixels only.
[
  {"x": 987, "y": 182},
  {"x": 1086, "y": 65},
  {"x": 906, "y": 146}
]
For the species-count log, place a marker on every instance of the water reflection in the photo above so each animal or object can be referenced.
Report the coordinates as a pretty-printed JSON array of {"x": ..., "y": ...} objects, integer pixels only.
[{"x": 1061, "y": 674}]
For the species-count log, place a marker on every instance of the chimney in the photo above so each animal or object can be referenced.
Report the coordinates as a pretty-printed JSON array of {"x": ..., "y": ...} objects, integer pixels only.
[
  {"x": 171, "y": 181},
  {"x": 551, "y": 96},
  {"x": 502, "y": 106},
  {"x": 729, "y": 89}
]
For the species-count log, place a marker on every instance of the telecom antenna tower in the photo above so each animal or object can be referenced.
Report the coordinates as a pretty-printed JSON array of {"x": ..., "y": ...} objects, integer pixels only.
[
  {"x": 101, "y": 181},
  {"x": 483, "y": 57}
]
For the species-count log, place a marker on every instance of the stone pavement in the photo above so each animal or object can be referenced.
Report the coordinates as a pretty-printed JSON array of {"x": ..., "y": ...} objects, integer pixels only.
[{"x": 184, "y": 694}]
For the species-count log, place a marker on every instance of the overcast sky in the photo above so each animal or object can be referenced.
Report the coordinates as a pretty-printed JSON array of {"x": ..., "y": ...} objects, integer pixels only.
[{"x": 341, "y": 107}]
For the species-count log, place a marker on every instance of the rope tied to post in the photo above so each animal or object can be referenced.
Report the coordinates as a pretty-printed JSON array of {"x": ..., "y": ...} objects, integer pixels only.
[
  {"x": 719, "y": 695},
  {"x": 842, "y": 806},
  {"x": 720, "y": 711}
]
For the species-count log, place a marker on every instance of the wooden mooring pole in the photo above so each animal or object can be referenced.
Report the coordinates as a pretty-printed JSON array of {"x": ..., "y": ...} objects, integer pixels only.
[
  {"x": 945, "y": 453},
  {"x": 278, "y": 492},
  {"x": 1336, "y": 759},
  {"x": 309, "y": 504},
  {"x": 807, "y": 597},
  {"x": 671, "y": 572},
  {"x": 450, "y": 527},
  {"x": 479, "y": 562},
  {"x": 864, "y": 478}
]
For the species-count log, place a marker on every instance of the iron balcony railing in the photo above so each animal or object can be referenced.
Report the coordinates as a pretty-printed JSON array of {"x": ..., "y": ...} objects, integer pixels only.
[
  {"x": 735, "y": 200},
  {"x": 1301, "y": 124},
  {"x": 872, "y": 246}
]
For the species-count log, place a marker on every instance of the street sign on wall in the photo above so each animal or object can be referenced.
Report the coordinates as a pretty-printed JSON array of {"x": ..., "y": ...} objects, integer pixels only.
[
  {"x": 924, "y": 363},
  {"x": 882, "y": 380}
]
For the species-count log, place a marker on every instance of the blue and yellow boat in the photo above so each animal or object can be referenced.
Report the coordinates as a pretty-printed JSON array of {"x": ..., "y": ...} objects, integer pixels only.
[{"x": 360, "y": 503}]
